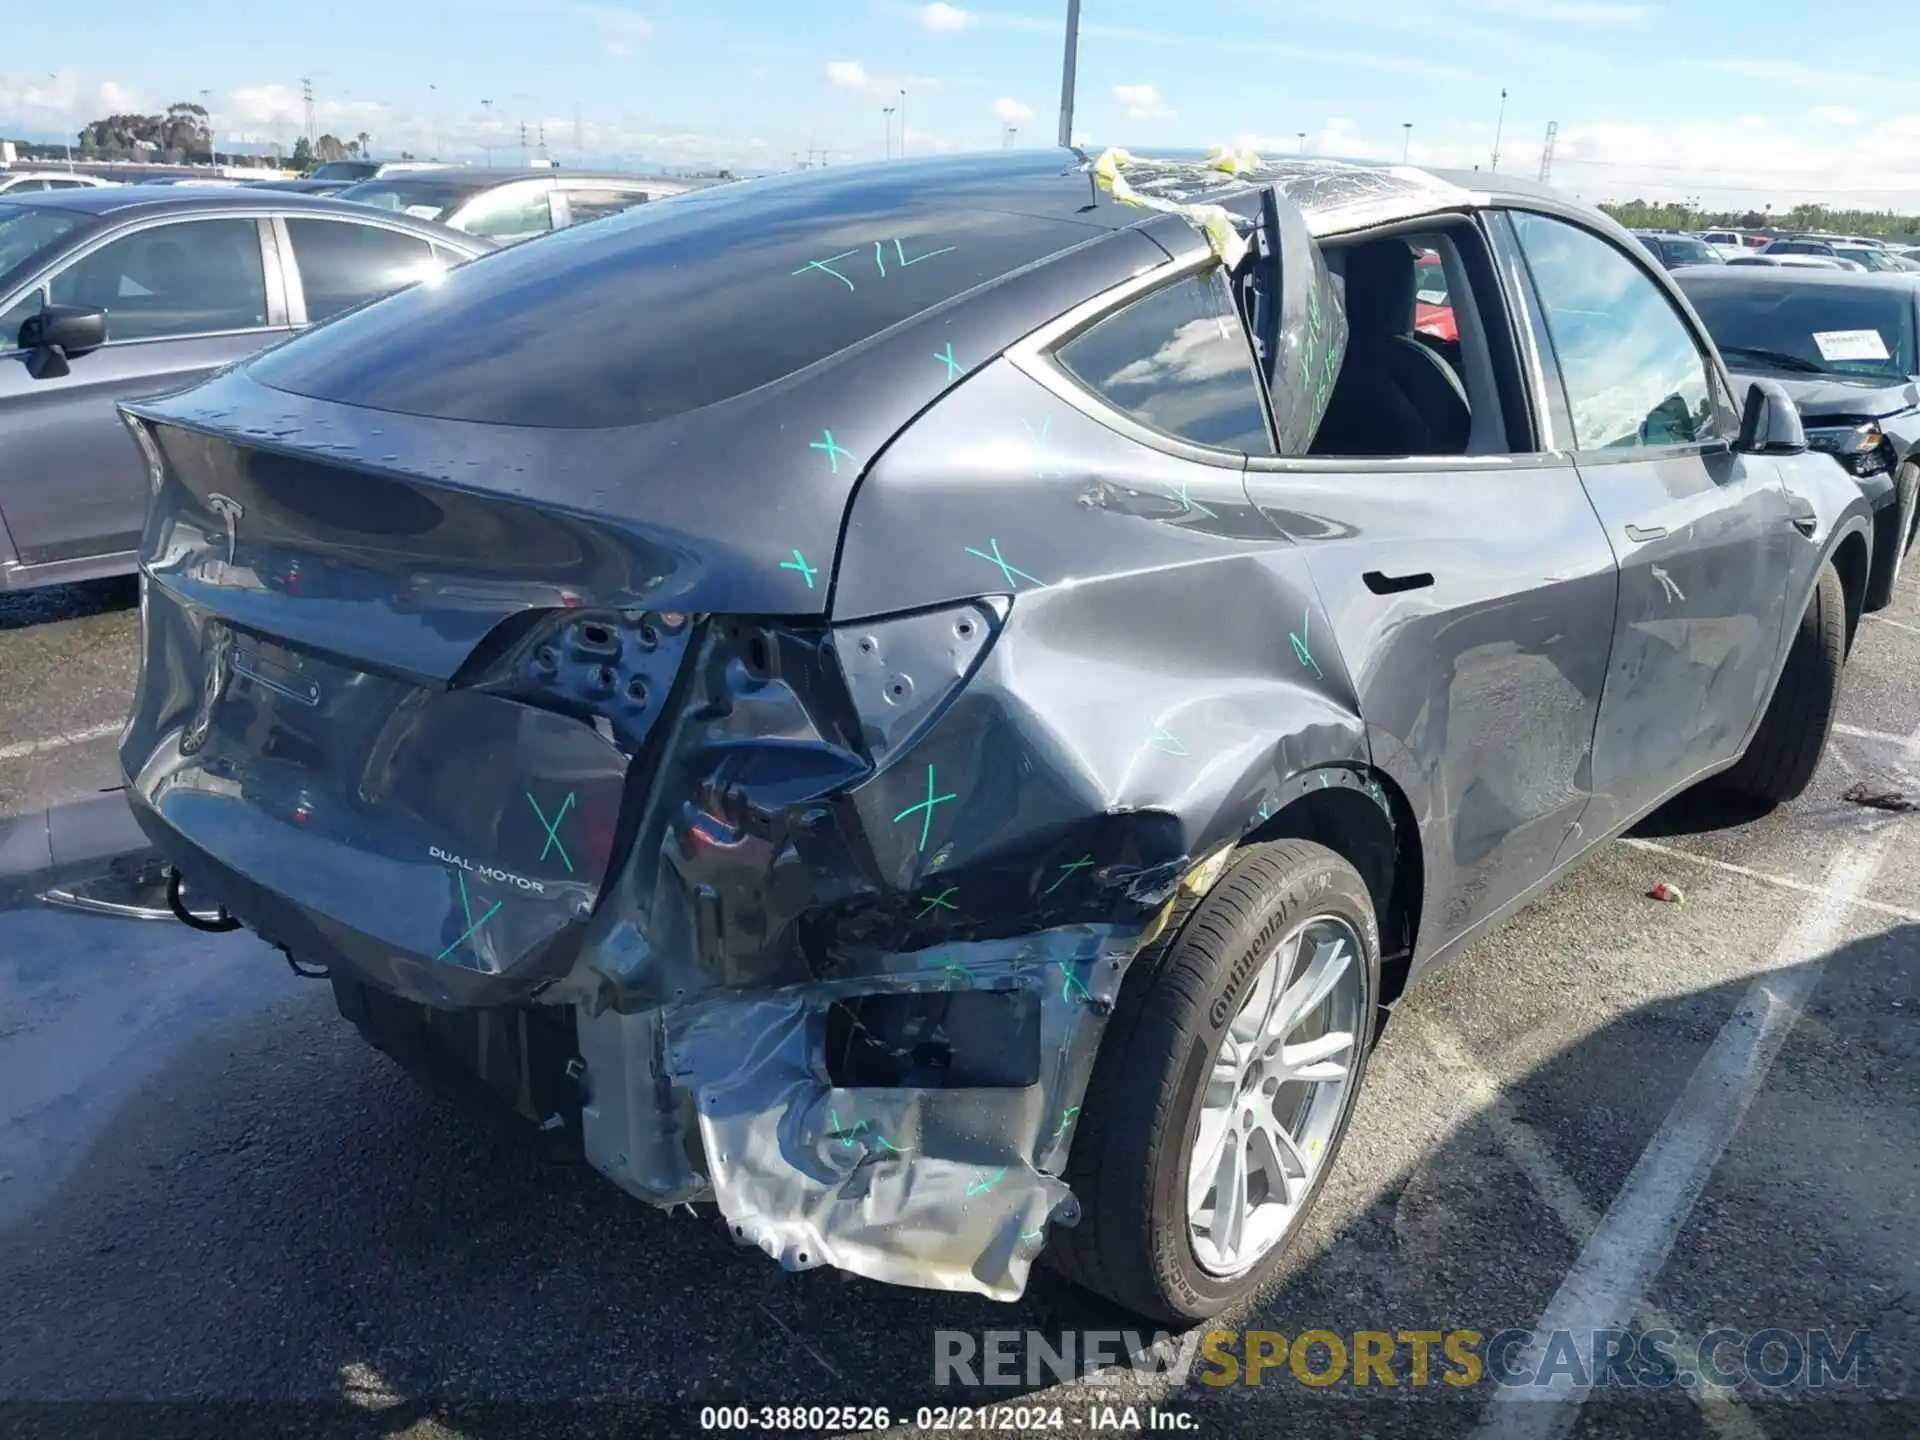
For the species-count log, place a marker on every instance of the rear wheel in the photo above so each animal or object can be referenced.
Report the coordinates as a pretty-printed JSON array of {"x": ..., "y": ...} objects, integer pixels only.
[
  {"x": 1224, "y": 1087},
  {"x": 1786, "y": 749}
]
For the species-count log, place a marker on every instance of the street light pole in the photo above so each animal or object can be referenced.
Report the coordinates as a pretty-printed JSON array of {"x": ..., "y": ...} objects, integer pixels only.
[
  {"x": 886, "y": 118},
  {"x": 1303, "y": 142},
  {"x": 1406, "y": 144},
  {"x": 1499, "y": 126},
  {"x": 1069, "y": 64},
  {"x": 903, "y": 122},
  {"x": 206, "y": 104}
]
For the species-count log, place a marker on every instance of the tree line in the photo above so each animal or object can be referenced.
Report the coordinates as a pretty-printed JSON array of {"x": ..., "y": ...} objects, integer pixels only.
[
  {"x": 183, "y": 133},
  {"x": 1667, "y": 215}
]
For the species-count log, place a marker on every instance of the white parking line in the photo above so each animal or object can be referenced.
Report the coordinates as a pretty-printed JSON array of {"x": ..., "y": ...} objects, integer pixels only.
[
  {"x": 1897, "y": 624},
  {"x": 20, "y": 749},
  {"x": 1854, "y": 732},
  {"x": 1608, "y": 1281},
  {"x": 1529, "y": 1153},
  {"x": 1898, "y": 912}
]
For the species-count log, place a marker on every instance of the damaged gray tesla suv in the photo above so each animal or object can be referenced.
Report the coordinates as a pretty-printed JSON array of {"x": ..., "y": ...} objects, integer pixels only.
[{"x": 933, "y": 706}]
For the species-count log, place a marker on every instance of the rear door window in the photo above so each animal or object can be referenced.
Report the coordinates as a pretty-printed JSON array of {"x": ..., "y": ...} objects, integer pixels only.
[
  {"x": 510, "y": 214},
  {"x": 343, "y": 264},
  {"x": 1178, "y": 361},
  {"x": 596, "y": 202}
]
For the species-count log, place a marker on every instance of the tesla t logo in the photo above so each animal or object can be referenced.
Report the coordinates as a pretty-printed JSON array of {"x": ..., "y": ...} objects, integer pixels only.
[{"x": 229, "y": 510}]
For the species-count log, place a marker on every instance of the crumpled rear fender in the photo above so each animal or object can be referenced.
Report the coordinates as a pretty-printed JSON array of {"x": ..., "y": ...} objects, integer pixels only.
[{"x": 890, "y": 875}]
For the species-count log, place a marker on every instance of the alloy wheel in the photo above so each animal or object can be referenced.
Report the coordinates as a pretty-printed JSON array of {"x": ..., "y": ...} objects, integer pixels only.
[{"x": 1274, "y": 1096}]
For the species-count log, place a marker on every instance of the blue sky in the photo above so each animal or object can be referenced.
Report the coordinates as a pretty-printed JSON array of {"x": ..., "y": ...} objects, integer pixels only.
[{"x": 1668, "y": 98}]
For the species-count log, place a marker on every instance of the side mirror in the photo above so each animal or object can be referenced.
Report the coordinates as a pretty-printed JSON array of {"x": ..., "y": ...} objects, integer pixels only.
[
  {"x": 59, "y": 331},
  {"x": 1769, "y": 422}
]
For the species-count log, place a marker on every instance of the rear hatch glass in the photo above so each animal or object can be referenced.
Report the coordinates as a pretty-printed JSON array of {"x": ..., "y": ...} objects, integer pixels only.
[{"x": 670, "y": 307}]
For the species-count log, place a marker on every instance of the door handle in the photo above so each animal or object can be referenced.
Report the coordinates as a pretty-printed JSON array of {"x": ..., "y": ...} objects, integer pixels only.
[
  {"x": 1650, "y": 532},
  {"x": 1381, "y": 583}
]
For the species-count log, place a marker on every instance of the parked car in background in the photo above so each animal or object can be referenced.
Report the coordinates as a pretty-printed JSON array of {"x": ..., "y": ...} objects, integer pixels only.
[
  {"x": 307, "y": 186},
  {"x": 349, "y": 171},
  {"x": 1675, "y": 250},
  {"x": 508, "y": 206},
  {"x": 35, "y": 182},
  {"x": 1729, "y": 243},
  {"x": 1799, "y": 262},
  {"x": 935, "y": 712},
  {"x": 111, "y": 293},
  {"x": 1847, "y": 349},
  {"x": 1867, "y": 257},
  {"x": 1432, "y": 314}
]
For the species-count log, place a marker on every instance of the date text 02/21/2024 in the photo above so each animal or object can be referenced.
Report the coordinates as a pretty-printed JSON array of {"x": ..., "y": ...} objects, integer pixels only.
[{"x": 957, "y": 1419}]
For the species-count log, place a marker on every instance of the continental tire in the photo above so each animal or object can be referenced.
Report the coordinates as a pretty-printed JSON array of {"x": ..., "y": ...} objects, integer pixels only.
[
  {"x": 1179, "y": 1027},
  {"x": 1786, "y": 750}
]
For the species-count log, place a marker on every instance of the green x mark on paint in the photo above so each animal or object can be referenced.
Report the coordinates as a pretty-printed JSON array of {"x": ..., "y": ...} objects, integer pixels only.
[
  {"x": 1070, "y": 982},
  {"x": 1068, "y": 871},
  {"x": 1194, "y": 507},
  {"x": 840, "y": 1132},
  {"x": 827, "y": 265},
  {"x": 945, "y": 357},
  {"x": 980, "y": 1187},
  {"x": 1012, "y": 574},
  {"x": 1031, "y": 1234},
  {"x": 900, "y": 254},
  {"x": 1163, "y": 739},
  {"x": 799, "y": 563},
  {"x": 833, "y": 451},
  {"x": 925, "y": 809},
  {"x": 1067, "y": 1117},
  {"x": 942, "y": 901},
  {"x": 553, "y": 828},
  {"x": 1300, "y": 650},
  {"x": 466, "y": 910},
  {"x": 962, "y": 971}
]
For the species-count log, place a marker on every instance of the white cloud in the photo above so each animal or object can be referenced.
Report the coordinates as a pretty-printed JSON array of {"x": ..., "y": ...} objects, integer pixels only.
[
  {"x": 849, "y": 75},
  {"x": 947, "y": 19},
  {"x": 64, "y": 102},
  {"x": 622, "y": 33},
  {"x": 1836, "y": 115},
  {"x": 1142, "y": 102},
  {"x": 1740, "y": 162},
  {"x": 852, "y": 75},
  {"x": 1777, "y": 72},
  {"x": 1568, "y": 12},
  {"x": 1011, "y": 112}
]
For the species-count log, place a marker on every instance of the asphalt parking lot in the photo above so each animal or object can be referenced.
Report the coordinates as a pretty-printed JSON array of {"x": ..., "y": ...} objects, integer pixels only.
[{"x": 1612, "y": 1113}]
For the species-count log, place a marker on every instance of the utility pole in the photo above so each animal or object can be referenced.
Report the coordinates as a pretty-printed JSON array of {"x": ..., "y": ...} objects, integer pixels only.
[
  {"x": 206, "y": 104},
  {"x": 886, "y": 123},
  {"x": 903, "y": 122},
  {"x": 1069, "y": 63},
  {"x": 1006, "y": 142},
  {"x": 1499, "y": 126},
  {"x": 1546, "y": 154},
  {"x": 1406, "y": 143},
  {"x": 486, "y": 131},
  {"x": 523, "y": 144},
  {"x": 306, "y": 95}
]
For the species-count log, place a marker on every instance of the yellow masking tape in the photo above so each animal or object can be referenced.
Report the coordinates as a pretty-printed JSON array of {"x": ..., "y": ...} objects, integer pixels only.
[{"x": 1211, "y": 220}]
